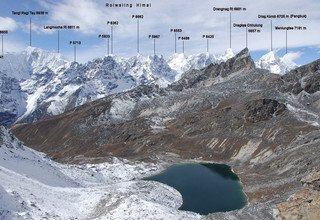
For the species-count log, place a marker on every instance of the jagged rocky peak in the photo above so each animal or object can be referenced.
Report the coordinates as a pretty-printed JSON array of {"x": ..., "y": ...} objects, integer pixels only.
[
  {"x": 160, "y": 67},
  {"x": 106, "y": 67},
  {"x": 150, "y": 69},
  {"x": 241, "y": 62},
  {"x": 243, "y": 53}
]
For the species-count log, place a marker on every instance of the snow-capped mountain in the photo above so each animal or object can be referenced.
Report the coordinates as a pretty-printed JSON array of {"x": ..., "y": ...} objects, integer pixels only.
[
  {"x": 152, "y": 69},
  {"x": 77, "y": 84},
  {"x": 48, "y": 84},
  {"x": 30, "y": 61},
  {"x": 37, "y": 83},
  {"x": 182, "y": 63},
  {"x": 22, "y": 75},
  {"x": 275, "y": 64}
]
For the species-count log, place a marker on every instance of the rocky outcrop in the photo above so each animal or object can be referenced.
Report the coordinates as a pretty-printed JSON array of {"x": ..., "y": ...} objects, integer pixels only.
[
  {"x": 262, "y": 110},
  {"x": 305, "y": 78},
  {"x": 304, "y": 204}
]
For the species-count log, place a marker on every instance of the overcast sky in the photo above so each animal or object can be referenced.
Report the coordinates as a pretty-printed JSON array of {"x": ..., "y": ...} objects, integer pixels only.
[{"x": 195, "y": 18}]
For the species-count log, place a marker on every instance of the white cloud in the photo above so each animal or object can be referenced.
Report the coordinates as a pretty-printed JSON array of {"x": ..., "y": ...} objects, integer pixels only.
[
  {"x": 292, "y": 56},
  {"x": 12, "y": 46},
  {"x": 34, "y": 27},
  {"x": 7, "y": 23},
  {"x": 86, "y": 13},
  {"x": 85, "y": 53},
  {"x": 289, "y": 58},
  {"x": 194, "y": 17}
]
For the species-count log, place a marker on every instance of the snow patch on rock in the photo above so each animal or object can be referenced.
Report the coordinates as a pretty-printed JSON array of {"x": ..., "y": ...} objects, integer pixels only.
[
  {"x": 121, "y": 108},
  {"x": 304, "y": 115}
]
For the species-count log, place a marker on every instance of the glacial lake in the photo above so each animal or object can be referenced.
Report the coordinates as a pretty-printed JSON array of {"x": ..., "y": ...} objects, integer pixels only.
[{"x": 205, "y": 188}]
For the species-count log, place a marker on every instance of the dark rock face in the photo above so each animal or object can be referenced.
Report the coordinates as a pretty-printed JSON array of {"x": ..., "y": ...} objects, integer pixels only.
[
  {"x": 305, "y": 78},
  {"x": 7, "y": 118},
  {"x": 262, "y": 110},
  {"x": 312, "y": 83},
  {"x": 11, "y": 99}
]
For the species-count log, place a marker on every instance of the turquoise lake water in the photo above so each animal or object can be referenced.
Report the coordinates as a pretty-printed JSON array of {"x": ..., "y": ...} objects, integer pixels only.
[{"x": 205, "y": 188}]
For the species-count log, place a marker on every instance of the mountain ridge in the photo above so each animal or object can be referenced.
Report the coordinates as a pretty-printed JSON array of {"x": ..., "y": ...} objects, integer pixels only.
[{"x": 50, "y": 85}]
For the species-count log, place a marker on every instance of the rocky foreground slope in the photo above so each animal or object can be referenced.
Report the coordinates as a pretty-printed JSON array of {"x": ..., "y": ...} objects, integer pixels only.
[
  {"x": 265, "y": 126},
  {"x": 34, "y": 187}
]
